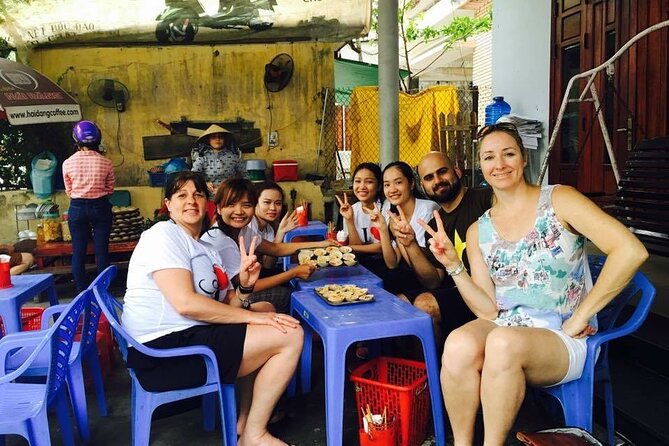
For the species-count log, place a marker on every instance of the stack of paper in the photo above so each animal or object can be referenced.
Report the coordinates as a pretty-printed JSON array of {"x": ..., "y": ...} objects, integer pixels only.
[{"x": 528, "y": 129}]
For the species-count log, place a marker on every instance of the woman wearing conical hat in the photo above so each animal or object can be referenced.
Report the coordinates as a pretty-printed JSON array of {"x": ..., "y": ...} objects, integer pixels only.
[{"x": 218, "y": 157}]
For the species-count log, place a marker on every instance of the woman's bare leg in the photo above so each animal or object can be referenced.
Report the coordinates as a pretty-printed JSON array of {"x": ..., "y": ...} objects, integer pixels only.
[
  {"x": 244, "y": 389},
  {"x": 274, "y": 356},
  {"x": 462, "y": 362},
  {"x": 515, "y": 356}
]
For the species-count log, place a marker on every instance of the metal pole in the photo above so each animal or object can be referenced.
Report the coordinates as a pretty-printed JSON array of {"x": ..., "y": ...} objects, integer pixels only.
[
  {"x": 320, "y": 136},
  {"x": 605, "y": 134},
  {"x": 388, "y": 82}
]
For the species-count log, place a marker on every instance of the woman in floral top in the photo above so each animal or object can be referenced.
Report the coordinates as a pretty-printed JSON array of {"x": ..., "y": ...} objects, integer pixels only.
[{"x": 529, "y": 288}]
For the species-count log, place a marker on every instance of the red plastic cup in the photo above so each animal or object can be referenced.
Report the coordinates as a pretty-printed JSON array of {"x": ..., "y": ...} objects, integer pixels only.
[
  {"x": 5, "y": 276},
  {"x": 302, "y": 219},
  {"x": 380, "y": 436}
]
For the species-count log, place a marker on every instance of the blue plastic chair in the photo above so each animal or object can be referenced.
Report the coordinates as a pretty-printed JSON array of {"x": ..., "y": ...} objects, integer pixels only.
[
  {"x": 313, "y": 229},
  {"x": 144, "y": 402},
  {"x": 23, "y": 405},
  {"x": 83, "y": 352},
  {"x": 576, "y": 396}
]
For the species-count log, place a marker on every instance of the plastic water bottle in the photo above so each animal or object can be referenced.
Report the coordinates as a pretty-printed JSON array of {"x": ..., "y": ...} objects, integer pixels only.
[{"x": 497, "y": 108}]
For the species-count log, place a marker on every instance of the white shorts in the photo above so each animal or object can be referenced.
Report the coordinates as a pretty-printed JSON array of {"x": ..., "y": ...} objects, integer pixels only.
[{"x": 577, "y": 350}]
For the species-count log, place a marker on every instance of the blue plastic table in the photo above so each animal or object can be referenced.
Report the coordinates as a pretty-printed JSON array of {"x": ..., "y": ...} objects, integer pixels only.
[
  {"x": 341, "y": 326},
  {"x": 357, "y": 275},
  {"x": 26, "y": 286}
]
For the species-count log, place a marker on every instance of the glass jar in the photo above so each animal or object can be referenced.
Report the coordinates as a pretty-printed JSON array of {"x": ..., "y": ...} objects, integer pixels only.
[
  {"x": 40, "y": 235},
  {"x": 65, "y": 230},
  {"x": 52, "y": 230}
]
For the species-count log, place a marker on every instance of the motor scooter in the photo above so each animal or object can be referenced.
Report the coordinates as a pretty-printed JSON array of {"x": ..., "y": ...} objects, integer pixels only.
[{"x": 180, "y": 20}]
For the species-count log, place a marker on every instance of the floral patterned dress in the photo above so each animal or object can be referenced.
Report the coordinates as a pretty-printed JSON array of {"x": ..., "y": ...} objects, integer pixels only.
[{"x": 541, "y": 278}]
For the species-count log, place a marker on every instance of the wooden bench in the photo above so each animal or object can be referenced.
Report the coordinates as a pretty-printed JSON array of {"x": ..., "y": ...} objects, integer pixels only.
[
  {"x": 52, "y": 254},
  {"x": 642, "y": 202},
  {"x": 62, "y": 270}
]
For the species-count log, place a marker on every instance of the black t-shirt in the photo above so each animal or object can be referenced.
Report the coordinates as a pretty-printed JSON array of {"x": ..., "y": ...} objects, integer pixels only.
[{"x": 474, "y": 203}]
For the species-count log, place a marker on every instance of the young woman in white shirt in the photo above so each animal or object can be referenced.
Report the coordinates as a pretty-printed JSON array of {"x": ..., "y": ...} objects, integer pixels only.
[
  {"x": 402, "y": 196},
  {"x": 236, "y": 201},
  {"x": 367, "y": 179},
  {"x": 268, "y": 221}
]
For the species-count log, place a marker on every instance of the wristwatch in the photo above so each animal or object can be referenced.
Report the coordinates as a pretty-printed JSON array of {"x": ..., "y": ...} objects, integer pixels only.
[{"x": 246, "y": 303}]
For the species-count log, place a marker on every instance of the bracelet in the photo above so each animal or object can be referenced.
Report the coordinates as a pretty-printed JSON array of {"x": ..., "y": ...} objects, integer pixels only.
[
  {"x": 454, "y": 272},
  {"x": 245, "y": 289}
]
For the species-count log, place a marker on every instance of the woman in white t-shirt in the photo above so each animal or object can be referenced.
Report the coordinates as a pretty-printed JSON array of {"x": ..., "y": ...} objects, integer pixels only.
[
  {"x": 235, "y": 202},
  {"x": 362, "y": 236},
  {"x": 402, "y": 198},
  {"x": 268, "y": 211},
  {"x": 178, "y": 294}
]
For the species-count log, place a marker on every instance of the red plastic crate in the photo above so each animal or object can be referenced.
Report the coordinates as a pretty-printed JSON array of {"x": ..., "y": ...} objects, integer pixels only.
[
  {"x": 31, "y": 318},
  {"x": 284, "y": 170},
  {"x": 103, "y": 339},
  {"x": 401, "y": 386},
  {"x": 104, "y": 358}
]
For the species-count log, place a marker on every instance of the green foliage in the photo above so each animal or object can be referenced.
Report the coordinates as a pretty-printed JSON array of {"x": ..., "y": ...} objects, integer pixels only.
[
  {"x": 5, "y": 48},
  {"x": 19, "y": 144},
  {"x": 458, "y": 30}
]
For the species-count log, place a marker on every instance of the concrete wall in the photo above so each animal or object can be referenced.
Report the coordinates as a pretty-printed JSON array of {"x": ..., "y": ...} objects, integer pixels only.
[
  {"x": 199, "y": 83},
  {"x": 521, "y": 63}
]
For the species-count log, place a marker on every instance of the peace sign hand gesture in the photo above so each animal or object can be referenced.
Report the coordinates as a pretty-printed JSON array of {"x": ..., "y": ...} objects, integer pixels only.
[
  {"x": 249, "y": 268},
  {"x": 401, "y": 228},
  {"x": 440, "y": 245},
  {"x": 345, "y": 209},
  {"x": 376, "y": 218}
]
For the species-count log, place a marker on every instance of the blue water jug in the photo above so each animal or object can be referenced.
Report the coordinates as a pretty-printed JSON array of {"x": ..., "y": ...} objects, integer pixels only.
[
  {"x": 497, "y": 108},
  {"x": 42, "y": 174}
]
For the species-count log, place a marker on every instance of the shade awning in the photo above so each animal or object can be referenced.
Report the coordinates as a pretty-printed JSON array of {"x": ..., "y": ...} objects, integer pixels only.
[{"x": 29, "y": 97}]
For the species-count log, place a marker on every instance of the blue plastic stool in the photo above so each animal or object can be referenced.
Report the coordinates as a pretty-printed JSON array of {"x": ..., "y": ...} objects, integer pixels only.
[
  {"x": 312, "y": 229},
  {"x": 341, "y": 326}
]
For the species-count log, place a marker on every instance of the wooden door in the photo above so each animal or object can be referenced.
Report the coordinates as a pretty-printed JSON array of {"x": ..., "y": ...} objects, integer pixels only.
[{"x": 633, "y": 96}]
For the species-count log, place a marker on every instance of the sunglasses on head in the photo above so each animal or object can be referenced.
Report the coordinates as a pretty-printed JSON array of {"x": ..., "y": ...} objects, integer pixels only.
[{"x": 503, "y": 126}]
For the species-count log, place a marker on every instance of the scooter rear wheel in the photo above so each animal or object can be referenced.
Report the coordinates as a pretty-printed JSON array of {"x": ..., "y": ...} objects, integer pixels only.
[{"x": 175, "y": 31}]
